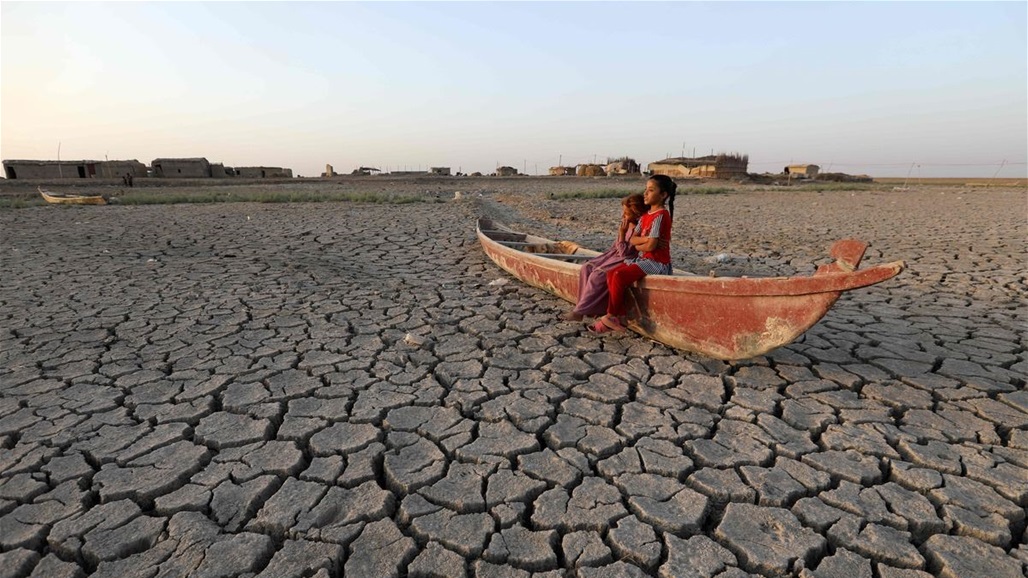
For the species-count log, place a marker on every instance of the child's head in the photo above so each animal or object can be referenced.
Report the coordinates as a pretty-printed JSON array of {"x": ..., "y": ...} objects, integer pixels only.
[
  {"x": 662, "y": 192},
  {"x": 633, "y": 206}
]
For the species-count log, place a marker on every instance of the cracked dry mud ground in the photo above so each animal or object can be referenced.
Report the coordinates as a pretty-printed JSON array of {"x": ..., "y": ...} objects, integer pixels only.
[{"x": 338, "y": 389}]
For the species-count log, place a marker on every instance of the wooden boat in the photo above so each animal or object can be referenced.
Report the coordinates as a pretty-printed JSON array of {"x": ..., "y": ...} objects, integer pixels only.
[
  {"x": 71, "y": 198},
  {"x": 720, "y": 317}
]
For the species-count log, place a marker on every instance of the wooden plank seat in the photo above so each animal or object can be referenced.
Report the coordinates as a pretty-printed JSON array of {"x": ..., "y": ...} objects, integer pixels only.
[{"x": 563, "y": 256}]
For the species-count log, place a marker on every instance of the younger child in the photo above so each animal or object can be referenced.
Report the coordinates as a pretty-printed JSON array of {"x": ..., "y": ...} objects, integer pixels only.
[
  {"x": 653, "y": 241},
  {"x": 592, "y": 279}
]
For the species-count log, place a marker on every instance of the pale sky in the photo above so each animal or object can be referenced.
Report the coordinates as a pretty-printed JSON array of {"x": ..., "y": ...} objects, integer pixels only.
[{"x": 930, "y": 89}]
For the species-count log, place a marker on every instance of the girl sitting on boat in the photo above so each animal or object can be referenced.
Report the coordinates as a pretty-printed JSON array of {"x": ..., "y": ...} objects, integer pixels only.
[
  {"x": 652, "y": 239},
  {"x": 592, "y": 279}
]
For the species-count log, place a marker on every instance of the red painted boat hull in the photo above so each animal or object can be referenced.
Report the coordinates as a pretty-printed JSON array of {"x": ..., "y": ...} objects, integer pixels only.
[{"x": 726, "y": 318}]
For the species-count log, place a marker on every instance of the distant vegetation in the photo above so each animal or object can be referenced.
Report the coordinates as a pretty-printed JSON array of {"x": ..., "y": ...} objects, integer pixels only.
[
  {"x": 706, "y": 190},
  {"x": 12, "y": 203},
  {"x": 232, "y": 196},
  {"x": 818, "y": 186},
  {"x": 620, "y": 193},
  {"x": 601, "y": 194},
  {"x": 148, "y": 198},
  {"x": 954, "y": 181}
]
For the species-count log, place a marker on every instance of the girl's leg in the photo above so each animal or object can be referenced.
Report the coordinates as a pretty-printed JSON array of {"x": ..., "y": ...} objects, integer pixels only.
[
  {"x": 583, "y": 279},
  {"x": 583, "y": 275},
  {"x": 584, "y": 294},
  {"x": 618, "y": 281},
  {"x": 592, "y": 293}
]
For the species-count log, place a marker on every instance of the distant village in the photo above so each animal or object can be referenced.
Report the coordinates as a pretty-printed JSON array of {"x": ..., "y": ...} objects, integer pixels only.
[
  {"x": 190, "y": 168},
  {"x": 715, "y": 166}
]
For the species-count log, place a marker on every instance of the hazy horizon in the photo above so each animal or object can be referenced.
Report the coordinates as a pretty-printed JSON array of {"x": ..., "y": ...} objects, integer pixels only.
[{"x": 927, "y": 89}]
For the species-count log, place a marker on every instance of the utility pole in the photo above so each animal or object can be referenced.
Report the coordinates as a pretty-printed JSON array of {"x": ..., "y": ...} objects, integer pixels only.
[
  {"x": 1000, "y": 168},
  {"x": 910, "y": 170},
  {"x": 60, "y": 171}
]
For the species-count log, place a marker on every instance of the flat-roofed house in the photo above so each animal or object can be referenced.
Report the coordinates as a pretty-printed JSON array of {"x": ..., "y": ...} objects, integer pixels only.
[
  {"x": 264, "y": 173},
  {"x": 802, "y": 171}
]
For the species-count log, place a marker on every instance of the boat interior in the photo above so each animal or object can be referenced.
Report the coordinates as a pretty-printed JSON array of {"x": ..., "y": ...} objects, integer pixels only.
[{"x": 550, "y": 249}]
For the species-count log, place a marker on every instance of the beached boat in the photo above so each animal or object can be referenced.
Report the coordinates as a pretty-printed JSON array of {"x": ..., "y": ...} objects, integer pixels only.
[
  {"x": 71, "y": 198},
  {"x": 719, "y": 317}
]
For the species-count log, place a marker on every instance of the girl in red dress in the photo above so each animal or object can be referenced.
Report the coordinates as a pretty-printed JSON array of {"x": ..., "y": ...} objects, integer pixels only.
[{"x": 653, "y": 241}]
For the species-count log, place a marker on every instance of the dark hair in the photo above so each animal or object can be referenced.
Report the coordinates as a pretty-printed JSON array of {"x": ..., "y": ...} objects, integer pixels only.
[{"x": 667, "y": 185}]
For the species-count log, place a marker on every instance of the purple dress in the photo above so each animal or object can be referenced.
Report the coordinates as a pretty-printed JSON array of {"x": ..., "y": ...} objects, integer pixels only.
[{"x": 592, "y": 279}]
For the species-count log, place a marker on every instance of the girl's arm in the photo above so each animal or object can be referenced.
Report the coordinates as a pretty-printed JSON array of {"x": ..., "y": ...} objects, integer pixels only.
[
  {"x": 644, "y": 244},
  {"x": 626, "y": 225},
  {"x": 650, "y": 243}
]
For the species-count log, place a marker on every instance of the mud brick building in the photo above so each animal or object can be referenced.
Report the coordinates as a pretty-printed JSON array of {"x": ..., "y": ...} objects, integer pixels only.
[{"x": 85, "y": 169}]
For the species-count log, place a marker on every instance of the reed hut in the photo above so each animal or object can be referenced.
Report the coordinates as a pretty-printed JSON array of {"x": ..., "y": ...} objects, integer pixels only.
[
  {"x": 115, "y": 169},
  {"x": 590, "y": 170},
  {"x": 181, "y": 168},
  {"x": 622, "y": 166},
  {"x": 719, "y": 166},
  {"x": 220, "y": 171},
  {"x": 562, "y": 171}
]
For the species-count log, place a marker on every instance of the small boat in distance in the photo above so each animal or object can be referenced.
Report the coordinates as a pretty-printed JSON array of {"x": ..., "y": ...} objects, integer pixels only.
[
  {"x": 726, "y": 318},
  {"x": 71, "y": 198}
]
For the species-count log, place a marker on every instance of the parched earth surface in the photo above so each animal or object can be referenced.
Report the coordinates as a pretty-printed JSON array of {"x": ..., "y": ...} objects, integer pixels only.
[{"x": 354, "y": 389}]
